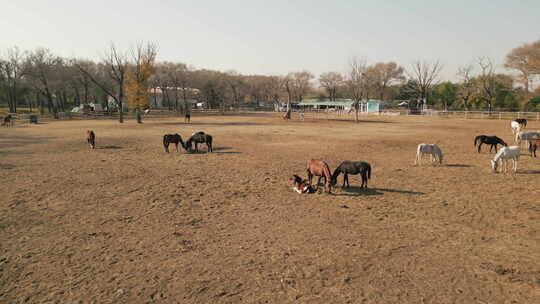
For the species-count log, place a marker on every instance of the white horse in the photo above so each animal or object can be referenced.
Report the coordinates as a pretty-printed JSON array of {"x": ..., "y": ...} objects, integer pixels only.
[
  {"x": 526, "y": 136},
  {"x": 516, "y": 127},
  {"x": 433, "y": 150},
  {"x": 504, "y": 155}
]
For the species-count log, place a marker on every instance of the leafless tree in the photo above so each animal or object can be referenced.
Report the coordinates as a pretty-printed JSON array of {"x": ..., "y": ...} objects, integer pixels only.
[
  {"x": 331, "y": 81},
  {"x": 487, "y": 82},
  {"x": 425, "y": 76},
  {"x": 385, "y": 74},
  {"x": 42, "y": 70},
  {"x": 356, "y": 82},
  {"x": 116, "y": 65},
  {"x": 12, "y": 73},
  {"x": 467, "y": 86}
]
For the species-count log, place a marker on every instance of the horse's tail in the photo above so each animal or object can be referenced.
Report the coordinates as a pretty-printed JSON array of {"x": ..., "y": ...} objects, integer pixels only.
[{"x": 476, "y": 139}]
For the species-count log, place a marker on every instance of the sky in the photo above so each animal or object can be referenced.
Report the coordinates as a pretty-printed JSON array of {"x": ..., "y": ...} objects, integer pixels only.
[{"x": 277, "y": 37}]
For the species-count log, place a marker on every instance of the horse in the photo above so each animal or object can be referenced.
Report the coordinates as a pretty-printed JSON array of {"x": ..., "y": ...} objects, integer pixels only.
[
  {"x": 91, "y": 138},
  {"x": 172, "y": 139},
  {"x": 8, "y": 121},
  {"x": 349, "y": 167},
  {"x": 287, "y": 115},
  {"x": 534, "y": 143},
  {"x": 488, "y": 140},
  {"x": 300, "y": 185},
  {"x": 526, "y": 136},
  {"x": 522, "y": 122},
  {"x": 199, "y": 138},
  {"x": 432, "y": 149},
  {"x": 504, "y": 155},
  {"x": 319, "y": 168},
  {"x": 516, "y": 127},
  {"x": 187, "y": 117}
]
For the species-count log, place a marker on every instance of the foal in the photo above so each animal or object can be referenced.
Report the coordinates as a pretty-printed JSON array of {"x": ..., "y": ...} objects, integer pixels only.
[
  {"x": 172, "y": 139},
  {"x": 91, "y": 138},
  {"x": 319, "y": 168},
  {"x": 300, "y": 185},
  {"x": 349, "y": 167}
]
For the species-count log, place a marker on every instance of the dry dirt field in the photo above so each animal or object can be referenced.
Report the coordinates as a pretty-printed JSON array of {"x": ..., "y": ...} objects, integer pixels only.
[{"x": 128, "y": 223}]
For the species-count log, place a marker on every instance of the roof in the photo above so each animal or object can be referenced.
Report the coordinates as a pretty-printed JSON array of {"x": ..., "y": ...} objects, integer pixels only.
[{"x": 334, "y": 103}]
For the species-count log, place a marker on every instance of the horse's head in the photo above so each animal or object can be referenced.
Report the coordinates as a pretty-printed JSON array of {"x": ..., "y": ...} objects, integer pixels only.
[
  {"x": 494, "y": 165},
  {"x": 295, "y": 179}
]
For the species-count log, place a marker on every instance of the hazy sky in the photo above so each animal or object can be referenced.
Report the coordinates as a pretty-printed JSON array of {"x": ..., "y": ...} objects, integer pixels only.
[{"x": 276, "y": 37}]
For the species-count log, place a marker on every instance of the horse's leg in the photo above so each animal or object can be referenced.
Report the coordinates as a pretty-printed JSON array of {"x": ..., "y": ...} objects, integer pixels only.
[
  {"x": 479, "y": 147},
  {"x": 318, "y": 182},
  {"x": 309, "y": 176},
  {"x": 176, "y": 145}
]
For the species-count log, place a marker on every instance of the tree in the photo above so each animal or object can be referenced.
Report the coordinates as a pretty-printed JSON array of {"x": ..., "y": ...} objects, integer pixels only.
[
  {"x": 138, "y": 77},
  {"x": 486, "y": 82},
  {"x": 331, "y": 81},
  {"x": 467, "y": 85},
  {"x": 42, "y": 68},
  {"x": 115, "y": 66},
  {"x": 383, "y": 75},
  {"x": 526, "y": 60},
  {"x": 446, "y": 93},
  {"x": 356, "y": 82},
  {"x": 425, "y": 75},
  {"x": 12, "y": 73}
]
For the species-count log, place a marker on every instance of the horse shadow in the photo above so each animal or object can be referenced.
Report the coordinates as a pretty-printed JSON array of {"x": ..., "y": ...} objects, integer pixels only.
[
  {"x": 358, "y": 191},
  {"x": 530, "y": 172},
  {"x": 459, "y": 165},
  {"x": 221, "y": 148},
  {"x": 6, "y": 166},
  {"x": 109, "y": 148}
]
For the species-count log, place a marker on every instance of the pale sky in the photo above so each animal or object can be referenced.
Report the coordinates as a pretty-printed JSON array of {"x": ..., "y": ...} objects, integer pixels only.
[{"x": 276, "y": 37}]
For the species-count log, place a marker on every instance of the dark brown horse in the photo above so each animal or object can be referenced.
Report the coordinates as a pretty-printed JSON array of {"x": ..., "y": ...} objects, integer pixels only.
[
  {"x": 319, "y": 168},
  {"x": 350, "y": 167},
  {"x": 199, "y": 138},
  {"x": 91, "y": 138},
  {"x": 534, "y": 144},
  {"x": 172, "y": 139},
  {"x": 8, "y": 121}
]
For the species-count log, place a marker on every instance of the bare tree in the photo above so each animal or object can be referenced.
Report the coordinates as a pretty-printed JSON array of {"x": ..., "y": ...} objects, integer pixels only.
[
  {"x": 384, "y": 75},
  {"x": 467, "y": 86},
  {"x": 116, "y": 65},
  {"x": 331, "y": 81},
  {"x": 356, "y": 82},
  {"x": 487, "y": 82},
  {"x": 526, "y": 60},
  {"x": 425, "y": 76},
  {"x": 12, "y": 72},
  {"x": 42, "y": 68}
]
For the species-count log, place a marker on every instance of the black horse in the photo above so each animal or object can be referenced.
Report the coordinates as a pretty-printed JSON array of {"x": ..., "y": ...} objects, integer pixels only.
[
  {"x": 488, "y": 140},
  {"x": 172, "y": 139},
  {"x": 349, "y": 167},
  {"x": 198, "y": 138},
  {"x": 522, "y": 122}
]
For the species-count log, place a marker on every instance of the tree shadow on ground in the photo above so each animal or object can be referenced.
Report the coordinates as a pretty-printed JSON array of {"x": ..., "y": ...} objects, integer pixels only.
[
  {"x": 358, "y": 191},
  {"x": 6, "y": 166},
  {"x": 459, "y": 165},
  {"x": 362, "y": 121}
]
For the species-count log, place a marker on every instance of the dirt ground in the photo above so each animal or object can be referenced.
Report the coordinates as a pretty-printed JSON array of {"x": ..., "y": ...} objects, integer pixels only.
[{"x": 128, "y": 223}]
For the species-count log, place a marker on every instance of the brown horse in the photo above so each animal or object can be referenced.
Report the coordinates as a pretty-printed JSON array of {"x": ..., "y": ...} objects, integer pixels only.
[
  {"x": 91, "y": 138},
  {"x": 172, "y": 139},
  {"x": 8, "y": 121},
  {"x": 319, "y": 168},
  {"x": 534, "y": 143}
]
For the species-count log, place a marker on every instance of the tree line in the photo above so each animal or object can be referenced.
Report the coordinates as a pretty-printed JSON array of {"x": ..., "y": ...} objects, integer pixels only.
[{"x": 39, "y": 80}]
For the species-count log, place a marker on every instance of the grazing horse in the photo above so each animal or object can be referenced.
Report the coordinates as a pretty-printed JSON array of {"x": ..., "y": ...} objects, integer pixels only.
[
  {"x": 349, "y": 167},
  {"x": 516, "y": 127},
  {"x": 199, "y": 138},
  {"x": 91, "y": 138},
  {"x": 433, "y": 150},
  {"x": 8, "y": 121},
  {"x": 301, "y": 185},
  {"x": 319, "y": 168},
  {"x": 488, "y": 140},
  {"x": 526, "y": 136},
  {"x": 172, "y": 139},
  {"x": 504, "y": 155},
  {"x": 534, "y": 143},
  {"x": 522, "y": 122}
]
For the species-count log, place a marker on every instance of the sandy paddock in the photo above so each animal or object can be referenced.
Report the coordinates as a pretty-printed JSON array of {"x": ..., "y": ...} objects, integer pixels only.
[{"x": 128, "y": 223}]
